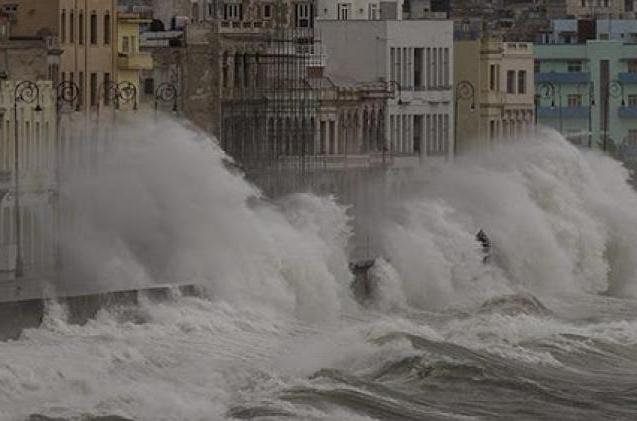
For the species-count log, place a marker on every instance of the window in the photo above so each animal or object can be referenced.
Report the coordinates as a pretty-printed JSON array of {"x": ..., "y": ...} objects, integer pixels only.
[
  {"x": 106, "y": 84},
  {"x": 574, "y": 100},
  {"x": 303, "y": 14},
  {"x": 344, "y": 11},
  {"x": 149, "y": 86},
  {"x": 428, "y": 66},
  {"x": 232, "y": 11},
  {"x": 267, "y": 11},
  {"x": 125, "y": 45},
  {"x": 434, "y": 67},
  {"x": 93, "y": 28},
  {"x": 80, "y": 83},
  {"x": 63, "y": 26},
  {"x": 417, "y": 134},
  {"x": 446, "y": 68},
  {"x": 536, "y": 66},
  {"x": 510, "y": 82},
  {"x": 632, "y": 66},
  {"x": 492, "y": 77},
  {"x": 574, "y": 66},
  {"x": 632, "y": 100},
  {"x": 93, "y": 92},
  {"x": 72, "y": 26},
  {"x": 522, "y": 82},
  {"x": 631, "y": 139},
  {"x": 418, "y": 56},
  {"x": 373, "y": 12},
  {"x": 107, "y": 29},
  {"x": 80, "y": 29}
]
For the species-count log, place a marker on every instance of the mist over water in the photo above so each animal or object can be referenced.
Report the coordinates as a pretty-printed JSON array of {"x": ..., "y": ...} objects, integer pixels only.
[{"x": 444, "y": 336}]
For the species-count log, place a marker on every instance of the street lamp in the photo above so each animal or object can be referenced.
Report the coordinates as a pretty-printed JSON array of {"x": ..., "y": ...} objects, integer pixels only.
[
  {"x": 548, "y": 90},
  {"x": 591, "y": 104},
  {"x": 66, "y": 93},
  {"x": 166, "y": 92},
  {"x": 400, "y": 91},
  {"x": 464, "y": 91},
  {"x": 126, "y": 92},
  {"x": 616, "y": 90},
  {"x": 27, "y": 92}
]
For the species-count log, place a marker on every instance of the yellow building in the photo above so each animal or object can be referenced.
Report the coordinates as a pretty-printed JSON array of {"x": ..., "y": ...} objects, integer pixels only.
[
  {"x": 494, "y": 91},
  {"x": 81, "y": 29},
  {"x": 130, "y": 61}
]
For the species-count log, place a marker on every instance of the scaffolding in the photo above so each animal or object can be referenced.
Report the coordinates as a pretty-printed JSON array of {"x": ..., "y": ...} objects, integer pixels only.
[{"x": 269, "y": 117}]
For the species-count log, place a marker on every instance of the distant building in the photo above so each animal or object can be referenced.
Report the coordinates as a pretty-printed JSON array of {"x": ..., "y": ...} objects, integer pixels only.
[
  {"x": 131, "y": 61},
  {"x": 27, "y": 59},
  {"x": 589, "y": 91},
  {"x": 494, "y": 90},
  {"x": 595, "y": 8},
  {"x": 415, "y": 59},
  {"x": 573, "y": 31}
]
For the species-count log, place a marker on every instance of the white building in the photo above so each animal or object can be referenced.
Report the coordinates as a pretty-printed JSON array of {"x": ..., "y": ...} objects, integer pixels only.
[
  {"x": 414, "y": 58},
  {"x": 38, "y": 187},
  {"x": 357, "y": 9},
  {"x": 377, "y": 10}
]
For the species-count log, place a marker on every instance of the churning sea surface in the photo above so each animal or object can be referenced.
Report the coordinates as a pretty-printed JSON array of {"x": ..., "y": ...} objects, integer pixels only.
[{"x": 546, "y": 330}]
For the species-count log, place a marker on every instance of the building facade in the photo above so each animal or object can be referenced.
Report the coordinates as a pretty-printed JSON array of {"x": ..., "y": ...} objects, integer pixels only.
[
  {"x": 414, "y": 58},
  {"x": 494, "y": 91},
  {"x": 83, "y": 30},
  {"x": 595, "y": 8},
  {"x": 589, "y": 91},
  {"x": 37, "y": 187},
  {"x": 131, "y": 61}
]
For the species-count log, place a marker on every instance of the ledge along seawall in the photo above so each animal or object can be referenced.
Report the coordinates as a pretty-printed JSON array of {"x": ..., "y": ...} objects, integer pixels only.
[{"x": 15, "y": 316}]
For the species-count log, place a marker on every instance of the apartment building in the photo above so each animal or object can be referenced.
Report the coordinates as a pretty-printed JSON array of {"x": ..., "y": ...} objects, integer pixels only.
[
  {"x": 494, "y": 91},
  {"x": 589, "y": 91},
  {"x": 131, "y": 62},
  {"x": 596, "y": 8},
  {"x": 415, "y": 59},
  {"x": 84, "y": 32}
]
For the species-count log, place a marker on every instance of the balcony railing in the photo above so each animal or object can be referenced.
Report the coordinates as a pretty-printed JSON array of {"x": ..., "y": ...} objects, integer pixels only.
[
  {"x": 563, "y": 78},
  {"x": 565, "y": 112},
  {"x": 135, "y": 61},
  {"x": 627, "y": 112}
]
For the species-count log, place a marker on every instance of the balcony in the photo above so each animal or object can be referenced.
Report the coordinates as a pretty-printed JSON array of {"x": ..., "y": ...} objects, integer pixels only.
[
  {"x": 627, "y": 77},
  {"x": 563, "y": 78},
  {"x": 627, "y": 112},
  {"x": 565, "y": 112},
  {"x": 135, "y": 61}
]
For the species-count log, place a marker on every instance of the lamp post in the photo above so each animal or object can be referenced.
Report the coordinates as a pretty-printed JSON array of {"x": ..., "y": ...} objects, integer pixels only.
[
  {"x": 464, "y": 91},
  {"x": 27, "y": 92},
  {"x": 591, "y": 104},
  {"x": 66, "y": 93},
  {"x": 615, "y": 90},
  {"x": 548, "y": 90},
  {"x": 166, "y": 92},
  {"x": 126, "y": 92},
  {"x": 400, "y": 91}
]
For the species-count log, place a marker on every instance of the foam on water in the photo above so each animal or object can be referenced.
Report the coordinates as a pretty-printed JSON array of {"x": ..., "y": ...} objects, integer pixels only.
[{"x": 281, "y": 323}]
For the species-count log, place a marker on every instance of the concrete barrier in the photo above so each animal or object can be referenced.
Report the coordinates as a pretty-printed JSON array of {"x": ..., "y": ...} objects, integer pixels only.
[{"x": 18, "y": 315}]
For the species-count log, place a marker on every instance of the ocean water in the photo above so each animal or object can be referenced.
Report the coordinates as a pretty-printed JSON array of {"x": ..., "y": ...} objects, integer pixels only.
[{"x": 546, "y": 330}]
